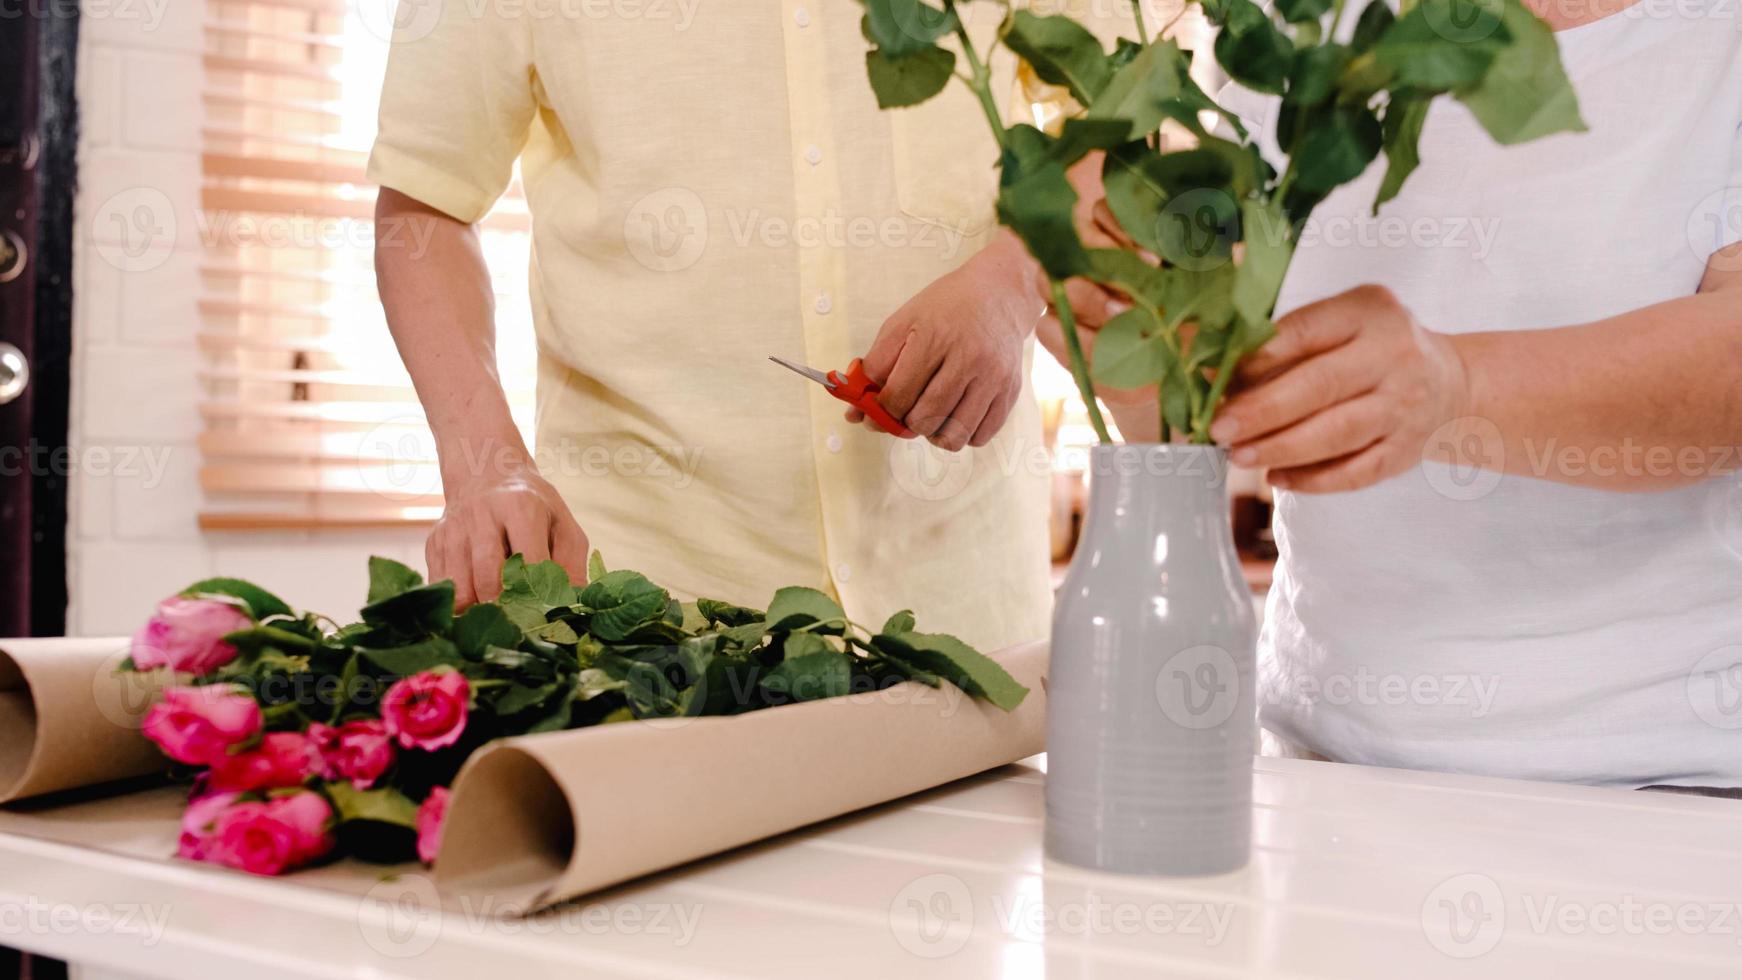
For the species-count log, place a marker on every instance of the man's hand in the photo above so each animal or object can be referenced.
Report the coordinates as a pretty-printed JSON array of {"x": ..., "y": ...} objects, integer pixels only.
[
  {"x": 1344, "y": 396},
  {"x": 496, "y": 514},
  {"x": 950, "y": 360}
]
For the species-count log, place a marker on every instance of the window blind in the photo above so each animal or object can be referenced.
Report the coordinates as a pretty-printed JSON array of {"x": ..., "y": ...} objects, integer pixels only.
[{"x": 309, "y": 420}]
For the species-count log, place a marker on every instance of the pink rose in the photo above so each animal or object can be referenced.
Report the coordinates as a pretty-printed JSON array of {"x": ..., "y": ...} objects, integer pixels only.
[
  {"x": 431, "y": 816},
  {"x": 428, "y": 710},
  {"x": 273, "y": 837},
  {"x": 197, "y": 821},
  {"x": 360, "y": 751},
  {"x": 187, "y": 635},
  {"x": 311, "y": 818},
  {"x": 281, "y": 760},
  {"x": 198, "y": 725}
]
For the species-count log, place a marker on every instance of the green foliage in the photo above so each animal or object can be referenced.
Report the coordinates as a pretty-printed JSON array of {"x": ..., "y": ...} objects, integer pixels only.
[
  {"x": 543, "y": 657},
  {"x": 1216, "y": 224}
]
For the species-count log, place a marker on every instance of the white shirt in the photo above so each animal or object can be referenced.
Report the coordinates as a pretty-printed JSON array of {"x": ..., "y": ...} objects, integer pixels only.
[{"x": 1465, "y": 621}]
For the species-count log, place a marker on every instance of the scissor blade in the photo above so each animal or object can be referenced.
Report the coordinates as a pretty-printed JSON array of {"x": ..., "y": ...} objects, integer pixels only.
[{"x": 809, "y": 372}]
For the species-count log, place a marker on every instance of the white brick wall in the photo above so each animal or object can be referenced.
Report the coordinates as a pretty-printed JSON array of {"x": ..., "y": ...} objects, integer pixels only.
[{"x": 134, "y": 536}]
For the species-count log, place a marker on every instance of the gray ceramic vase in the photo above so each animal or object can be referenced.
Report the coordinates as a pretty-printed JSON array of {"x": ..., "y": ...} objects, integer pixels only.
[{"x": 1150, "y": 699}]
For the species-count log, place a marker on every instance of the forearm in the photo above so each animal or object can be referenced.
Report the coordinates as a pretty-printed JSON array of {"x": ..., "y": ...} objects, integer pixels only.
[
  {"x": 441, "y": 310},
  {"x": 1648, "y": 400}
]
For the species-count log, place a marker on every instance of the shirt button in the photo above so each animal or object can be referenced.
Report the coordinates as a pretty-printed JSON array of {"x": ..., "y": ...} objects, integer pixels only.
[
  {"x": 834, "y": 443},
  {"x": 813, "y": 154},
  {"x": 824, "y": 304},
  {"x": 801, "y": 17},
  {"x": 843, "y": 574}
]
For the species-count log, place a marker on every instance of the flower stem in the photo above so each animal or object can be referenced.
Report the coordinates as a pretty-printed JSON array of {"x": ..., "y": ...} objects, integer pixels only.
[{"x": 1061, "y": 304}]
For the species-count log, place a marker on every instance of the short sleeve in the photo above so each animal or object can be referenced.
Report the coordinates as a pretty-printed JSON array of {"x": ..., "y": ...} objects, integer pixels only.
[{"x": 457, "y": 104}]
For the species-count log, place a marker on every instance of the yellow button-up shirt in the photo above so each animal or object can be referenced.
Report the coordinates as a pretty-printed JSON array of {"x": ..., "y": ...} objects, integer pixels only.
[{"x": 711, "y": 184}]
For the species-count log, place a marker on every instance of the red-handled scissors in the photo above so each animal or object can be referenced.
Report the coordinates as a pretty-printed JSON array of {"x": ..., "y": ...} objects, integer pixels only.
[{"x": 856, "y": 389}]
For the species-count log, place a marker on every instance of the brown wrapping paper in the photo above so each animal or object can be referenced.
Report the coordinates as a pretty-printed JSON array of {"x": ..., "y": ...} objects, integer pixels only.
[
  {"x": 546, "y": 818},
  {"x": 534, "y": 820},
  {"x": 68, "y": 719}
]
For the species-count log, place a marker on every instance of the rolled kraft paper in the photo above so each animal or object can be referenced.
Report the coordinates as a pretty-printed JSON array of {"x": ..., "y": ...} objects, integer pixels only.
[
  {"x": 545, "y": 818},
  {"x": 68, "y": 719}
]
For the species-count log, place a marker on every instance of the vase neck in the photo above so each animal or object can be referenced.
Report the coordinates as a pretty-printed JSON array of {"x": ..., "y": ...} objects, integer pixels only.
[{"x": 1139, "y": 491}]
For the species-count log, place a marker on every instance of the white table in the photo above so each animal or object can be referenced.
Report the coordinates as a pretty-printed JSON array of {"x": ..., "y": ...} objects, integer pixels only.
[{"x": 1357, "y": 873}]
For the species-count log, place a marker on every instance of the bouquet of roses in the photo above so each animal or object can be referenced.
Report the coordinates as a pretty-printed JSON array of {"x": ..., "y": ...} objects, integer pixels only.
[{"x": 307, "y": 740}]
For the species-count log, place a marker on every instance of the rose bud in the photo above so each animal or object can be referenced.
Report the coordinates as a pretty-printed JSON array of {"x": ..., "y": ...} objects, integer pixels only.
[
  {"x": 360, "y": 751},
  {"x": 198, "y": 725},
  {"x": 273, "y": 837},
  {"x": 281, "y": 760},
  {"x": 187, "y": 635},
  {"x": 431, "y": 817},
  {"x": 428, "y": 710}
]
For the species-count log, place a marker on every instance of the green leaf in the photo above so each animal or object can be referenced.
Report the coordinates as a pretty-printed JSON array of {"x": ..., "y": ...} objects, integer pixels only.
[
  {"x": 1154, "y": 86},
  {"x": 1079, "y": 136},
  {"x": 796, "y": 606},
  {"x": 1375, "y": 19},
  {"x": 908, "y": 80},
  {"x": 1525, "y": 94},
  {"x": 426, "y": 609},
  {"x": 1251, "y": 49},
  {"x": 901, "y": 622},
  {"x": 1269, "y": 246},
  {"x": 621, "y": 602},
  {"x": 388, "y": 806},
  {"x": 1337, "y": 149},
  {"x": 595, "y": 565},
  {"x": 1402, "y": 125},
  {"x": 414, "y": 658},
  {"x": 519, "y": 697},
  {"x": 556, "y": 631},
  {"x": 1133, "y": 195},
  {"x": 811, "y": 677},
  {"x": 1313, "y": 79},
  {"x": 1039, "y": 207},
  {"x": 1131, "y": 275},
  {"x": 481, "y": 627},
  {"x": 1302, "y": 11},
  {"x": 1441, "y": 45},
  {"x": 905, "y": 27},
  {"x": 956, "y": 662},
  {"x": 648, "y": 691},
  {"x": 388, "y": 578},
  {"x": 727, "y": 614},
  {"x": 749, "y": 635},
  {"x": 592, "y": 682},
  {"x": 260, "y": 603},
  {"x": 1061, "y": 52},
  {"x": 1131, "y": 351},
  {"x": 251, "y": 641},
  {"x": 517, "y": 661},
  {"x": 545, "y": 583}
]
